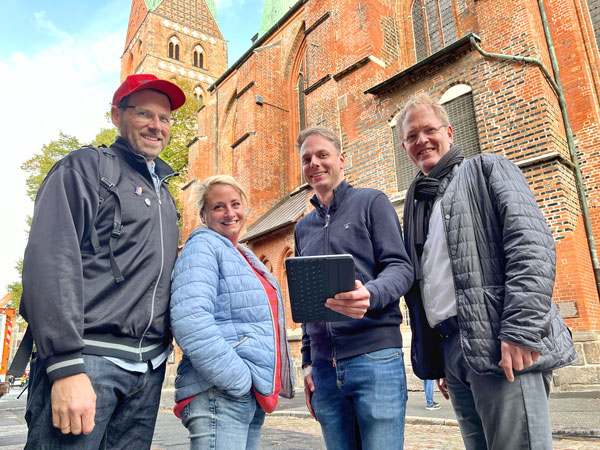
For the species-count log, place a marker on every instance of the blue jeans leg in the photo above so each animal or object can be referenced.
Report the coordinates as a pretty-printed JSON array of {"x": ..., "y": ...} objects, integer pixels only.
[
  {"x": 428, "y": 387},
  {"x": 218, "y": 421},
  {"x": 126, "y": 408},
  {"x": 361, "y": 403}
]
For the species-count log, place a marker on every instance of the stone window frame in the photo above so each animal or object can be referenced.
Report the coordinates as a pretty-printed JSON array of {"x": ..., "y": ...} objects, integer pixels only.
[
  {"x": 433, "y": 25},
  {"x": 174, "y": 47},
  {"x": 198, "y": 59}
]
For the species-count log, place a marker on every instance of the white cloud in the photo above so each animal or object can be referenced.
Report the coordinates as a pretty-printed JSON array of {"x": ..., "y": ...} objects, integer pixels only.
[
  {"x": 49, "y": 27},
  {"x": 65, "y": 87}
]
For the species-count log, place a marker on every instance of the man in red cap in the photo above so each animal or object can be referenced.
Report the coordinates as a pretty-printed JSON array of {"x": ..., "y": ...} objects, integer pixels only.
[{"x": 96, "y": 281}]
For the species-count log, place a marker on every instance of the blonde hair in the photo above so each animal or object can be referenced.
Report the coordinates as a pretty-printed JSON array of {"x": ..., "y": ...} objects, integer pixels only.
[
  {"x": 421, "y": 101},
  {"x": 320, "y": 131},
  {"x": 210, "y": 182}
]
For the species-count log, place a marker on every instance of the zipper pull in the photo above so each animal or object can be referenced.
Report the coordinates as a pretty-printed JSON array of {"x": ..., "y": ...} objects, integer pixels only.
[
  {"x": 326, "y": 221},
  {"x": 333, "y": 362}
]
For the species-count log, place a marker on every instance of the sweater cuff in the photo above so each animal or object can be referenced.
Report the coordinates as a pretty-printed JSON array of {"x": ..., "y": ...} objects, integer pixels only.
[
  {"x": 306, "y": 357},
  {"x": 64, "y": 366},
  {"x": 373, "y": 299}
]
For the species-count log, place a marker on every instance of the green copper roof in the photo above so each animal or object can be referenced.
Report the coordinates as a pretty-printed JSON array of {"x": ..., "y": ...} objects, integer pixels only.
[
  {"x": 212, "y": 7},
  {"x": 273, "y": 10},
  {"x": 152, "y": 4}
]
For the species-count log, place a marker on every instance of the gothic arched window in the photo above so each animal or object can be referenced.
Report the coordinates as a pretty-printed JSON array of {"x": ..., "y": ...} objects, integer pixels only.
[
  {"x": 198, "y": 59},
  {"x": 433, "y": 26},
  {"x": 301, "y": 85},
  {"x": 174, "y": 45},
  {"x": 199, "y": 95}
]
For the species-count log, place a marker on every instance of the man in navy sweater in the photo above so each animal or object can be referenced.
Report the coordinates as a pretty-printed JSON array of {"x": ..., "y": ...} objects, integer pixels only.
[{"x": 354, "y": 378}]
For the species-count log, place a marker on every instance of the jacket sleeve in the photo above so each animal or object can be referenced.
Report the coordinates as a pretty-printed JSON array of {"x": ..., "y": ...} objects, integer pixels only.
[
  {"x": 530, "y": 258},
  {"x": 52, "y": 300},
  {"x": 395, "y": 273},
  {"x": 194, "y": 292}
]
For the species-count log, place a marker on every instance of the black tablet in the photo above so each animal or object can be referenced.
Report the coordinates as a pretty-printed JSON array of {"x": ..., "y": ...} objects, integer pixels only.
[{"x": 314, "y": 279}]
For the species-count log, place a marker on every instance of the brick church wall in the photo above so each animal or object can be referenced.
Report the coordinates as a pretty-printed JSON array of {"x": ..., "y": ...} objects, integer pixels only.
[{"x": 248, "y": 124}]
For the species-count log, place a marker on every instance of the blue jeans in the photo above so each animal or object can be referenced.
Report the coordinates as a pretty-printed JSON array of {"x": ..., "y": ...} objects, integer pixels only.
[
  {"x": 428, "y": 387},
  {"x": 218, "y": 421},
  {"x": 126, "y": 408},
  {"x": 494, "y": 414},
  {"x": 361, "y": 403}
]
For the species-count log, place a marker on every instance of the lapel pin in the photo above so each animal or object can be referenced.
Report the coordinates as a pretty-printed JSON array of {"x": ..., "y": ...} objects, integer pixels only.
[
  {"x": 138, "y": 191},
  {"x": 147, "y": 201}
]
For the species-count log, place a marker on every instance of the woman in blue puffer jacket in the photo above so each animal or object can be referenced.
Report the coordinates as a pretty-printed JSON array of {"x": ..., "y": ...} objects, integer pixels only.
[{"x": 227, "y": 316}]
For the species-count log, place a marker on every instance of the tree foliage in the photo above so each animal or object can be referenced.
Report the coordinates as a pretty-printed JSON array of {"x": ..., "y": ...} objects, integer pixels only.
[
  {"x": 106, "y": 136},
  {"x": 16, "y": 288},
  {"x": 175, "y": 154},
  {"x": 39, "y": 165},
  {"x": 183, "y": 131}
]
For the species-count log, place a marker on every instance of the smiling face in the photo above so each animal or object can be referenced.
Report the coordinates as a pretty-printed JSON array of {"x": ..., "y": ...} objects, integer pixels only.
[
  {"x": 147, "y": 139},
  {"x": 322, "y": 166},
  {"x": 426, "y": 139},
  {"x": 224, "y": 211}
]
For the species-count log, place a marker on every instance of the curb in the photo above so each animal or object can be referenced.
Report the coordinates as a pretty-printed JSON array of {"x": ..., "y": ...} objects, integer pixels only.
[
  {"x": 411, "y": 420},
  {"x": 576, "y": 432},
  {"x": 416, "y": 420}
]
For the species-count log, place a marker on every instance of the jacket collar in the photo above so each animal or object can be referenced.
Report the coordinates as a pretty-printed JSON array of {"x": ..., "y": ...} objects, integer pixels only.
[
  {"x": 161, "y": 168},
  {"x": 339, "y": 193}
]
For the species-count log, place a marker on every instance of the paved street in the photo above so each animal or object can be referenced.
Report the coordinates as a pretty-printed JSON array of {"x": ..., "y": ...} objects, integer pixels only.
[{"x": 281, "y": 432}]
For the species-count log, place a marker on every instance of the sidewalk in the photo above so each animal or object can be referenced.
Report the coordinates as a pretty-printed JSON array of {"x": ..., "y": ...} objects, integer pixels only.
[{"x": 573, "y": 413}]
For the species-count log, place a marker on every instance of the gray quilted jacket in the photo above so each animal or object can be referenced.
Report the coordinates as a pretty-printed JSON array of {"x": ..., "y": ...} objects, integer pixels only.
[{"x": 503, "y": 263}]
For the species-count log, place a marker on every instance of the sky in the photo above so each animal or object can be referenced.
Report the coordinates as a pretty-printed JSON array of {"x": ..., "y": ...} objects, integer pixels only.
[{"x": 60, "y": 64}]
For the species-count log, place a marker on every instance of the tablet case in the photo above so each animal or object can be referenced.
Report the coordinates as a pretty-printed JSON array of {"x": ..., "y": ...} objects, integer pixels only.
[{"x": 314, "y": 279}]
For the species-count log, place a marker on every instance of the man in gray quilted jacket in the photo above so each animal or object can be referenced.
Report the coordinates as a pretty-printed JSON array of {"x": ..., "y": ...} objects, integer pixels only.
[{"x": 482, "y": 316}]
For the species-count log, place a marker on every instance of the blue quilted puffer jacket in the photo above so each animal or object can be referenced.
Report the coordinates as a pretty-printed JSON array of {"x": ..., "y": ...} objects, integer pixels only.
[{"x": 221, "y": 319}]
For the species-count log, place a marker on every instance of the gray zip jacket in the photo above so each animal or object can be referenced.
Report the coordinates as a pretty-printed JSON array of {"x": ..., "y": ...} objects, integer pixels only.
[
  {"x": 503, "y": 263},
  {"x": 70, "y": 297}
]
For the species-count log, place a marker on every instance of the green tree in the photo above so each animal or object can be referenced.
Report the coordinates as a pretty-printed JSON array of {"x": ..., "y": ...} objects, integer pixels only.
[
  {"x": 183, "y": 131},
  {"x": 16, "y": 288},
  {"x": 175, "y": 154},
  {"x": 106, "y": 136},
  {"x": 39, "y": 165}
]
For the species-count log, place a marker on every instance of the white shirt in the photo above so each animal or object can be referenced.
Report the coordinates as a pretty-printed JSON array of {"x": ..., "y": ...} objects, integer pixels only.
[{"x": 437, "y": 286}]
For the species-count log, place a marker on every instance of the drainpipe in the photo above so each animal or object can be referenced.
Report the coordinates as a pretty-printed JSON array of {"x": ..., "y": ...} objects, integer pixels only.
[
  {"x": 574, "y": 158},
  {"x": 217, "y": 131},
  {"x": 556, "y": 85}
]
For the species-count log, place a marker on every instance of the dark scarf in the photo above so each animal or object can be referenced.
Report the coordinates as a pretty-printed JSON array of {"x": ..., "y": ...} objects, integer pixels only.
[{"x": 418, "y": 204}]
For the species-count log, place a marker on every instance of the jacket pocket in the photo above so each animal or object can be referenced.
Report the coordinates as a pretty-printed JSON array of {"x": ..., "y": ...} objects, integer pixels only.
[{"x": 493, "y": 304}]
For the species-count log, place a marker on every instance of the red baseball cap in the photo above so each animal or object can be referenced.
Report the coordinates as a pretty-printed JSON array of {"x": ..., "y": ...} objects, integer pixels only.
[{"x": 135, "y": 83}]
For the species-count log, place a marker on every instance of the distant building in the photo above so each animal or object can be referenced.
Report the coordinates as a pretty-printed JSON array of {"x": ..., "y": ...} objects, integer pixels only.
[
  {"x": 175, "y": 39},
  {"x": 350, "y": 65}
]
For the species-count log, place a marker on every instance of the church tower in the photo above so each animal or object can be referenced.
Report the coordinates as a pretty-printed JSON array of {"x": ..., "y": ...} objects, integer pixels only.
[{"x": 175, "y": 39}]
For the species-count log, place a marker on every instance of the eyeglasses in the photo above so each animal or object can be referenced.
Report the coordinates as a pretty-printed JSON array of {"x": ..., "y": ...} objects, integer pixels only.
[
  {"x": 413, "y": 136},
  {"x": 146, "y": 116}
]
